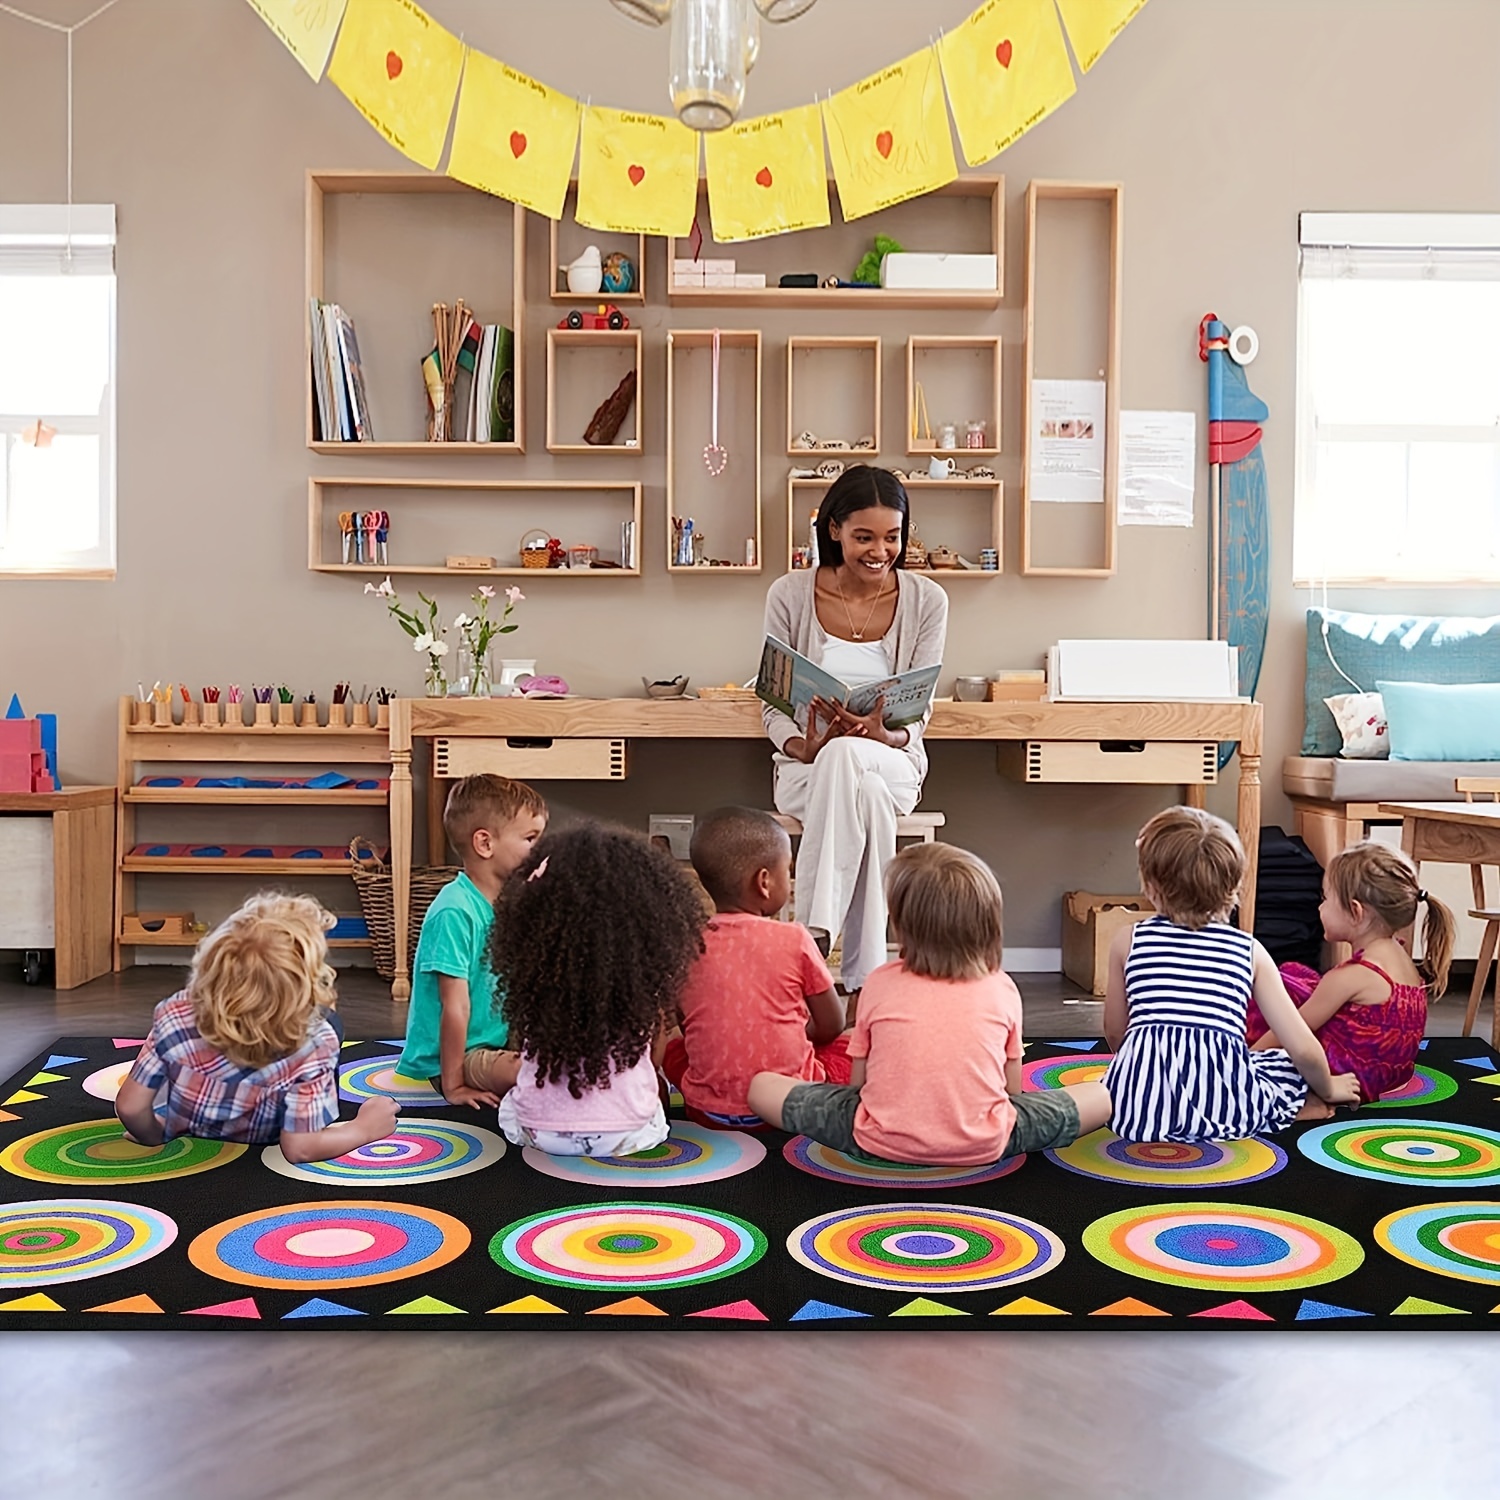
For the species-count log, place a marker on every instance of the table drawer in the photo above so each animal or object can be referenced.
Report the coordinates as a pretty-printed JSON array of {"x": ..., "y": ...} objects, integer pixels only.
[
  {"x": 1157, "y": 762},
  {"x": 529, "y": 759}
]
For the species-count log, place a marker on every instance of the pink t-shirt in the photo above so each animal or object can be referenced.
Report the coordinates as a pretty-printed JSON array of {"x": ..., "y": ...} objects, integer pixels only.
[
  {"x": 744, "y": 1010},
  {"x": 626, "y": 1103},
  {"x": 934, "y": 1086}
]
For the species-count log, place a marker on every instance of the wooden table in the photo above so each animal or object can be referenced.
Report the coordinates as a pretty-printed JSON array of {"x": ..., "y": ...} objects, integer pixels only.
[
  {"x": 701, "y": 719},
  {"x": 1451, "y": 833}
]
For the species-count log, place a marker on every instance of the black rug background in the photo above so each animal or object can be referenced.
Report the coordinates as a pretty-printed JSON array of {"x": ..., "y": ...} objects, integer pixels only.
[{"x": 776, "y": 1198}]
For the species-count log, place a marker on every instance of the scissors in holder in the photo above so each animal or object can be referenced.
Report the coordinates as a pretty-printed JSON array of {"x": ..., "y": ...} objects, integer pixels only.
[
  {"x": 383, "y": 536},
  {"x": 346, "y": 533},
  {"x": 371, "y": 528}
]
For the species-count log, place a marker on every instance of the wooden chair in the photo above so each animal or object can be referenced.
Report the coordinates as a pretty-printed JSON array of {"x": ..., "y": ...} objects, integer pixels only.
[
  {"x": 917, "y": 825},
  {"x": 1486, "y": 788}
]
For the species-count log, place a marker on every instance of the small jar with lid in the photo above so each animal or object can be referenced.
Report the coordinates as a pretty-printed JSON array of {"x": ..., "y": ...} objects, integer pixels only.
[{"x": 974, "y": 435}]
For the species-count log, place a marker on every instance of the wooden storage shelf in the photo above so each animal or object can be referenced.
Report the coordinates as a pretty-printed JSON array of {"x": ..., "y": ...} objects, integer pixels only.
[
  {"x": 966, "y": 215},
  {"x": 959, "y": 375},
  {"x": 192, "y": 939},
  {"x": 1079, "y": 270},
  {"x": 442, "y": 250},
  {"x": 578, "y": 237},
  {"x": 689, "y": 483},
  {"x": 841, "y": 402},
  {"x": 168, "y": 864},
  {"x": 597, "y": 360},
  {"x": 622, "y": 497},
  {"x": 252, "y": 797}
]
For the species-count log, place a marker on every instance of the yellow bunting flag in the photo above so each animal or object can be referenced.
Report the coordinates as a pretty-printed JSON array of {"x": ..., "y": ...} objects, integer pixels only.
[
  {"x": 1006, "y": 68},
  {"x": 513, "y": 137},
  {"x": 767, "y": 176},
  {"x": 637, "y": 174},
  {"x": 1094, "y": 24},
  {"x": 306, "y": 28},
  {"x": 888, "y": 137},
  {"x": 400, "y": 70}
]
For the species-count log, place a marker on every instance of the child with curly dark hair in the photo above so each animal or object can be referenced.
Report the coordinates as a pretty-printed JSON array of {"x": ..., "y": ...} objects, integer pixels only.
[{"x": 593, "y": 941}]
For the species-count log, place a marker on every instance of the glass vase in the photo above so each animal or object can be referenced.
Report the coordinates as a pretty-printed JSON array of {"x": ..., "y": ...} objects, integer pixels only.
[
  {"x": 474, "y": 673},
  {"x": 434, "y": 683}
]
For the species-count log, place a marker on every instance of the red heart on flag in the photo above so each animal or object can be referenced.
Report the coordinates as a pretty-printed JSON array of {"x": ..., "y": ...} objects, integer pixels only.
[
  {"x": 393, "y": 65},
  {"x": 517, "y": 143},
  {"x": 1003, "y": 52},
  {"x": 635, "y": 174},
  {"x": 763, "y": 177},
  {"x": 883, "y": 143}
]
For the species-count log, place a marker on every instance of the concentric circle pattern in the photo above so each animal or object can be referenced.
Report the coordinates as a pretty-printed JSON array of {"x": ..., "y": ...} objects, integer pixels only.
[
  {"x": 1228, "y": 1247},
  {"x": 1059, "y": 1072},
  {"x": 925, "y": 1247},
  {"x": 376, "y": 1077},
  {"x": 630, "y": 1246},
  {"x": 104, "y": 1083},
  {"x": 415, "y": 1151},
  {"x": 838, "y": 1166},
  {"x": 1170, "y": 1164},
  {"x": 353, "y": 1243},
  {"x": 690, "y": 1154},
  {"x": 72, "y": 1239},
  {"x": 97, "y": 1151},
  {"x": 1425, "y": 1086},
  {"x": 1423, "y": 1152},
  {"x": 1461, "y": 1240}
]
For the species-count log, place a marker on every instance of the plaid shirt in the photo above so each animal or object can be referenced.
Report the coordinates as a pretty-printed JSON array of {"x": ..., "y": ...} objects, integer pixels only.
[{"x": 207, "y": 1095}]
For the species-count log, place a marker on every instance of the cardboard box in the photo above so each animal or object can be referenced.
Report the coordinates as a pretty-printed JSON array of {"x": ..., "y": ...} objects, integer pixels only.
[
  {"x": 914, "y": 271},
  {"x": 1089, "y": 925}
]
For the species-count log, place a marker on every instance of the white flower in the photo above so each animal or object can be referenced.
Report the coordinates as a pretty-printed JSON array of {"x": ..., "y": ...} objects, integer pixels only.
[
  {"x": 486, "y": 592},
  {"x": 514, "y": 594},
  {"x": 385, "y": 591},
  {"x": 459, "y": 621},
  {"x": 439, "y": 648},
  {"x": 423, "y": 642}
]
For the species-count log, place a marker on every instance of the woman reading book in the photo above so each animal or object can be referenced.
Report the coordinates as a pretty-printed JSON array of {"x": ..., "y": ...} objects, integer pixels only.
[{"x": 847, "y": 777}]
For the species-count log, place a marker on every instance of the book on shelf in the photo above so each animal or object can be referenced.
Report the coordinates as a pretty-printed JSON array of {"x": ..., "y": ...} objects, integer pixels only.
[
  {"x": 491, "y": 407},
  {"x": 789, "y": 681},
  {"x": 340, "y": 406},
  {"x": 627, "y": 544}
]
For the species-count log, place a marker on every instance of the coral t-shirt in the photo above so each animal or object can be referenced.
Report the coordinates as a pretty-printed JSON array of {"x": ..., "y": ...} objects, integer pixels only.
[
  {"x": 934, "y": 1087},
  {"x": 744, "y": 1010}
]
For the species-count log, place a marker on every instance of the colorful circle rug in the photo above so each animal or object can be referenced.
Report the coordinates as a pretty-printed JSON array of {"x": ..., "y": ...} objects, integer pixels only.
[
  {"x": 1059, "y": 1072},
  {"x": 97, "y": 1151},
  {"x": 415, "y": 1151},
  {"x": 104, "y": 1083},
  {"x": 329, "y": 1244},
  {"x": 691, "y": 1154},
  {"x": 1425, "y": 1153},
  {"x": 376, "y": 1077},
  {"x": 1229, "y": 1247},
  {"x": 1425, "y": 1086},
  {"x": 629, "y": 1246},
  {"x": 1170, "y": 1164},
  {"x": 1461, "y": 1240},
  {"x": 838, "y": 1166},
  {"x": 72, "y": 1239},
  {"x": 927, "y": 1247}
]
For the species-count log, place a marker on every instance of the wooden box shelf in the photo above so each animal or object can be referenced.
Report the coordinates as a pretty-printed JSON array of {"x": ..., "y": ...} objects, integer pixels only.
[
  {"x": 959, "y": 379},
  {"x": 578, "y": 512},
  {"x": 569, "y": 238},
  {"x": 833, "y": 391},
  {"x": 583, "y": 366},
  {"x": 436, "y": 240}
]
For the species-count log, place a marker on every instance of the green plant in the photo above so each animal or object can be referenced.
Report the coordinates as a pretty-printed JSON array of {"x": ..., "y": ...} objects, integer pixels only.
[{"x": 867, "y": 272}]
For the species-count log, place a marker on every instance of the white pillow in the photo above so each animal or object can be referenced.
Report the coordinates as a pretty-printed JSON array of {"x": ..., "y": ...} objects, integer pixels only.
[{"x": 1361, "y": 721}]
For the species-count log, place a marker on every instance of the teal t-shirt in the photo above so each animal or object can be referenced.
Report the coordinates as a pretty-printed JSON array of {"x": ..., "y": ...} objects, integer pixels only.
[{"x": 455, "y": 941}]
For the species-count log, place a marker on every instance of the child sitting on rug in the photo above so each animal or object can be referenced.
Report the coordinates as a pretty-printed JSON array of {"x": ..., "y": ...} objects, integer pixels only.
[
  {"x": 592, "y": 944},
  {"x": 249, "y": 1051},
  {"x": 1371, "y": 1012},
  {"x": 936, "y": 1050},
  {"x": 1175, "y": 1006},
  {"x": 456, "y": 1030},
  {"x": 760, "y": 999}
]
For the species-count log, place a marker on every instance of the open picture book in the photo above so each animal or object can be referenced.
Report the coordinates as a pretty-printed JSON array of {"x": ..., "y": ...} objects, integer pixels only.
[{"x": 789, "y": 681}]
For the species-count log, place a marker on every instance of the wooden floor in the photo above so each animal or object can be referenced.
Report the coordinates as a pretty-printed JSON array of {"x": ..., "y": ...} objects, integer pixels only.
[{"x": 697, "y": 1416}]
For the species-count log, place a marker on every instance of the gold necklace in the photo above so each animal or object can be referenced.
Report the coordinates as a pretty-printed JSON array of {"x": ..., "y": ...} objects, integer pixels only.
[{"x": 859, "y": 635}]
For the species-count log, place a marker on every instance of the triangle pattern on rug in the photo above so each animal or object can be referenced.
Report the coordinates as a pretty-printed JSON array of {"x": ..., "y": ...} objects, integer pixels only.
[
  {"x": 37, "y": 1079},
  {"x": 137, "y": 1304},
  {"x": 1414, "y": 1306},
  {"x": 1312, "y": 1310},
  {"x": 342, "y": 1045},
  {"x": 128, "y": 1041},
  {"x": 7, "y": 1115},
  {"x": 1129, "y": 1307},
  {"x": 321, "y": 1307},
  {"x": 631, "y": 1307},
  {"x": 241, "y": 1307},
  {"x": 1487, "y": 1078},
  {"x": 1236, "y": 1309},
  {"x": 58, "y": 1061},
  {"x": 528, "y": 1305},
  {"x": 815, "y": 1311},
  {"x": 22, "y": 1096},
  {"x": 744, "y": 1310},
  {"x": 1077, "y": 1046},
  {"x": 1475, "y": 1062},
  {"x": 1029, "y": 1307},
  {"x": 925, "y": 1307},
  {"x": 424, "y": 1305},
  {"x": 36, "y": 1302}
]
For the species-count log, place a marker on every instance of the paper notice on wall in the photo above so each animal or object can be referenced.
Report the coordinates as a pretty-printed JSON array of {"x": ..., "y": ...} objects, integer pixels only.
[
  {"x": 1158, "y": 467},
  {"x": 306, "y": 28},
  {"x": 1067, "y": 442}
]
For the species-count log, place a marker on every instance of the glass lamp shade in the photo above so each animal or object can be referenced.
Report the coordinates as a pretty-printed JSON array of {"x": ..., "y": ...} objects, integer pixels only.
[
  {"x": 648, "y": 12},
  {"x": 752, "y": 33},
  {"x": 708, "y": 54},
  {"x": 780, "y": 10}
]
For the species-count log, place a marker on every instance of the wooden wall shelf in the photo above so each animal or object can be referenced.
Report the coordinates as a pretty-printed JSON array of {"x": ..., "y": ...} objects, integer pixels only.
[
  {"x": 959, "y": 376},
  {"x": 833, "y": 391},
  {"x": 596, "y": 360},
  {"x": 568, "y": 238}
]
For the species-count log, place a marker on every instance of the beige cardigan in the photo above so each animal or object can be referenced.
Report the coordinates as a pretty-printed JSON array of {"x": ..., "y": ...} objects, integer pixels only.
[{"x": 916, "y": 638}]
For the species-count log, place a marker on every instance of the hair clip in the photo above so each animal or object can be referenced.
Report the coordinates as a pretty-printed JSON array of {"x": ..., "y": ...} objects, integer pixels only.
[
  {"x": 537, "y": 873},
  {"x": 1421, "y": 895}
]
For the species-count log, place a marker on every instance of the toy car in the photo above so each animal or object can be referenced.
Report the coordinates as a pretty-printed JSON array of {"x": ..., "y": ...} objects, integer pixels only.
[{"x": 608, "y": 316}]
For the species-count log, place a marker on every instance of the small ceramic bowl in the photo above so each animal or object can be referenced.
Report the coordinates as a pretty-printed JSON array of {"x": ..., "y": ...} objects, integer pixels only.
[
  {"x": 673, "y": 688},
  {"x": 971, "y": 689}
]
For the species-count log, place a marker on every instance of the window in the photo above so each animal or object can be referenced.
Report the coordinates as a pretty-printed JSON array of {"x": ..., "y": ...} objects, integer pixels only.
[
  {"x": 1398, "y": 399},
  {"x": 57, "y": 390}
]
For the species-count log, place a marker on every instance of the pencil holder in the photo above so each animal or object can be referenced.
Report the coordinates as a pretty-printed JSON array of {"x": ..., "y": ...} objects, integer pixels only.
[
  {"x": 286, "y": 715},
  {"x": 234, "y": 715},
  {"x": 336, "y": 716},
  {"x": 210, "y": 714},
  {"x": 382, "y": 715},
  {"x": 262, "y": 715},
  {"x": 309, "y": 715},
  {"x": 361, "y": 719},
  {"x": 140, "y": 714},
  {"x": 190, "y": 714},
  {"x": 161, "y": 714}
]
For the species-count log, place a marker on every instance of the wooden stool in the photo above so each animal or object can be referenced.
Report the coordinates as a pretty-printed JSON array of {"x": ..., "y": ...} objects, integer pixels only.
[
  {"x": 917, "y": 825},
  {"x": 1486, "y": 788}
]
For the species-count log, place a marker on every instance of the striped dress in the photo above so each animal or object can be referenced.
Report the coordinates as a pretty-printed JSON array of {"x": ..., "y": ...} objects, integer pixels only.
[{"x": 1184, "y": 1071}]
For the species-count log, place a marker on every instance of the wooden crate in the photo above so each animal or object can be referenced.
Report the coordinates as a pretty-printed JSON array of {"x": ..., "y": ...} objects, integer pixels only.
[
  {"x": 529, "y": 759},
  {"x": 1119, "y": 762}
]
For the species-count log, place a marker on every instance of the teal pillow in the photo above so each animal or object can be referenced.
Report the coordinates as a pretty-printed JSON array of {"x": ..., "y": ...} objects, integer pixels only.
[{"x": 1443, "y": 721}]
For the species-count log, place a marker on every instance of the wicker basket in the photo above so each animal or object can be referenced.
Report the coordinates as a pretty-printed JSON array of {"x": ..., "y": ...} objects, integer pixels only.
[{"x": 377, "y": 902}]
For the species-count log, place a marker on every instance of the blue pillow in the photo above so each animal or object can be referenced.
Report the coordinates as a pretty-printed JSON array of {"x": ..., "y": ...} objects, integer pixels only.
[
  {"x": 1393, "y": 648},
  {"x": 1443, "y": 721}
]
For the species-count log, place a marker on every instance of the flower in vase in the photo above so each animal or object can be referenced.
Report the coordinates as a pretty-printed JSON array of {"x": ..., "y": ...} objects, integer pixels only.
[
  {"x": 486, "y": 592},
  {"x": 513, "y": 597}
]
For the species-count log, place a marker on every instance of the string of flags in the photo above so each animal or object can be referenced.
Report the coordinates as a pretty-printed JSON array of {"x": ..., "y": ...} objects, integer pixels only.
[{"x": 1000, "y": 72}]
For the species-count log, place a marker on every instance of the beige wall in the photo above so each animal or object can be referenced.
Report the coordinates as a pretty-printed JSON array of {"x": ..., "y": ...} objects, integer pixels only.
[{"x": 1222, "y": 119}]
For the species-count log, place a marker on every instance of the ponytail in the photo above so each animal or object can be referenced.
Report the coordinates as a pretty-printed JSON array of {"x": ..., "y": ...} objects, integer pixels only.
[
  {"x": 1437, "y": 944},
  {"x": 1384, "y": 881}
]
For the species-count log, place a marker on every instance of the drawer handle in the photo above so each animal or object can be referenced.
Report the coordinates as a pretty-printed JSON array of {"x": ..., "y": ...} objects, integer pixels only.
[
  {"x": 514, "y": 742},
  {"x": 1122, "y": 747}
]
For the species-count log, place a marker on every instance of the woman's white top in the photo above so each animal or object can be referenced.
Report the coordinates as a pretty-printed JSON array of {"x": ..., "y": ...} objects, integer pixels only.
[{"x": 854, "y": 662}]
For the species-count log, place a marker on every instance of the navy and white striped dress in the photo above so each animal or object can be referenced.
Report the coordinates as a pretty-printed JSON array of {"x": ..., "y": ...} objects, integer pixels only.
[{"x": 1184, "y": 1071}]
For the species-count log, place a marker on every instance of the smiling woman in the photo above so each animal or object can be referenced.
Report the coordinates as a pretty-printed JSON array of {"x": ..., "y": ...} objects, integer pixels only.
[{"x": 847, "y": 779}]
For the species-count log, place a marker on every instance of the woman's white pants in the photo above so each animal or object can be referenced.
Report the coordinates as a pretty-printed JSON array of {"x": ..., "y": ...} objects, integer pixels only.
[{"x": 848, "y": 801}]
